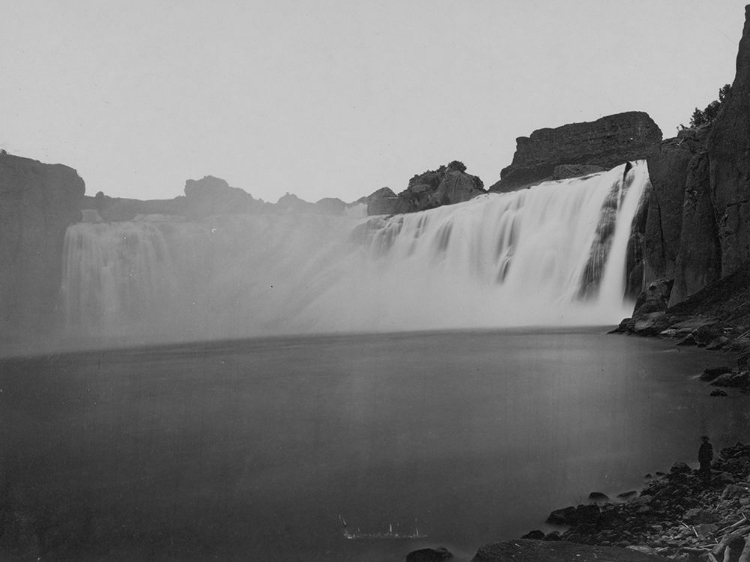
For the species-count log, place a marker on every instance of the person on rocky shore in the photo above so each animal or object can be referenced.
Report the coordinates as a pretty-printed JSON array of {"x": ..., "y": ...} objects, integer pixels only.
[{"x": 705, "y": 456}]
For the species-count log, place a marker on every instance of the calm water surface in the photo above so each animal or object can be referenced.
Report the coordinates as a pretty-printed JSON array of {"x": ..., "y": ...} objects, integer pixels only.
[{"x": 251, "y": 450}]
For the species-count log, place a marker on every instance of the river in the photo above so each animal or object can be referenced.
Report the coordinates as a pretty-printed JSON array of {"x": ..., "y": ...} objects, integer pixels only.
[{"x": 254, "y": 449}]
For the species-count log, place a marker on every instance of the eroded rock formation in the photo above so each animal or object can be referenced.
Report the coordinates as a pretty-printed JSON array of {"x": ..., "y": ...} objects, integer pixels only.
[
  {"x": 445, "y": 186},
  {"x": 601, "y": 144}
]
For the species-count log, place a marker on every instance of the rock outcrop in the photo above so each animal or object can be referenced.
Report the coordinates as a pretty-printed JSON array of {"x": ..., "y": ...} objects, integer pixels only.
[
  {"x": 213, "y": 196},
  {"x": 445, "y": 186},
  {"x": 37, "y": 204},
  {"x": 601, "y": 144}
]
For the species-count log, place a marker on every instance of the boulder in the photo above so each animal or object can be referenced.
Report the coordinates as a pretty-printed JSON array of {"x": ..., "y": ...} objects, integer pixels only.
[
  {"x": 37, "y": 204},
  {"x": 535, "y": 535},
  {"x": 712, "y": 373},
  {"x": 429, "y": 555},
  {"x": 598, "y": 497},
  {"x": 604, "y": 143}
]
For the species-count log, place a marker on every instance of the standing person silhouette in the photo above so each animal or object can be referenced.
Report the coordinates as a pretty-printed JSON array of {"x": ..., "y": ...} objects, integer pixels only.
[{"x": 705, "y": 456}]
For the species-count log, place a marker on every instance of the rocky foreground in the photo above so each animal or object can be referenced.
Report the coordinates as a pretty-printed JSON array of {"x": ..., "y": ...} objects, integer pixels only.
[{"x": 678, "y": 516}]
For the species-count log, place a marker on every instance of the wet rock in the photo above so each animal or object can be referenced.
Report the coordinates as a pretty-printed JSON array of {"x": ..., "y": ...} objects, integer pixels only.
[
  {"x": 583, "y": 514},
  {"x": 535, "y": 535},
  {"x": 714, "y": 372},
  {"x": 598, "y": 497},
  {"x": 717, "y": 343},
  {"x": 553, "y": 536},
  {"x": 718, "y": 393},
  {"x": 557, "y": 551},
  {"x": 429, "y": 555},
  {"x": 630, "y": 494}
]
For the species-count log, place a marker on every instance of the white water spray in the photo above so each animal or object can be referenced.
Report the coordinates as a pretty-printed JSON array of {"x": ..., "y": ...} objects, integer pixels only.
[{"x": 514, "y": 259}]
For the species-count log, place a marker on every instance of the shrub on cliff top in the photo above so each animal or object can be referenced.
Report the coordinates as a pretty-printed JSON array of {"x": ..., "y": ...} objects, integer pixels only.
[{"x": 707, "y": 116}]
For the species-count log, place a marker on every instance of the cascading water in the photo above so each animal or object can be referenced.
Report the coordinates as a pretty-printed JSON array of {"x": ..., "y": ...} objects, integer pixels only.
[{"x": 513, "y": 259}]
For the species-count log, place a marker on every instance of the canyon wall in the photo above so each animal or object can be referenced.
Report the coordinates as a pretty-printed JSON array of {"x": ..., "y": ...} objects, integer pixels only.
[{"x": 37, "y": 204}]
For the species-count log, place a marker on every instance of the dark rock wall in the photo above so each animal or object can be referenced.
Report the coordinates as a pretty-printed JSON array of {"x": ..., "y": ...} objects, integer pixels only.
[
  {"x": 729, "y": 164},
  {"x": 698, "y": 221},
  {"x": 668, "y": 168},
  {"x": 698, "y": 260},
  {"x": 604, "y": 143},
  {"x": 37, "y": 204}
]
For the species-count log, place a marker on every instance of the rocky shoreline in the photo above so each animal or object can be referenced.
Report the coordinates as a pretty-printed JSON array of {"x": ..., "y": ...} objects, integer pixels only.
[{"x": 678, "y": 515}]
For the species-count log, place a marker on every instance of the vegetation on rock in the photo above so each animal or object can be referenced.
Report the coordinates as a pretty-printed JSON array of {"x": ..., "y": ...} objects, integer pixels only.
[{"x": 708, "y": 115}]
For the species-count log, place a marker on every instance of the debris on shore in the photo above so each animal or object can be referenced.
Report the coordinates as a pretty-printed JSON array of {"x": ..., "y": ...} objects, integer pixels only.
[{"x": 679, "y": 515}]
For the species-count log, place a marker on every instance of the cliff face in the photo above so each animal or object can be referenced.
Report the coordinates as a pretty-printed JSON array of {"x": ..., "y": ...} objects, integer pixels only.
[
  {"x": 601, "y": 144},
  {"x": 729, "y": 164},
  {"x": 681, "y": 237},
  {"x": 37, "y": 204}
]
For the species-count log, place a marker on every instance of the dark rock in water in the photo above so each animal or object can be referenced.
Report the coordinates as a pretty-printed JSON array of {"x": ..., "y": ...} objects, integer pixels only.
[
  {"x": 713, "y": 372},
  {"x": 718, "y": 392},
  {"x": 631, "y": 493},
  {"x": 598, "y": 497},
  {"x": 732, "y": 380},
  {"x": 605, "y": 143},
  {"x": 651, "y": 324},
  {"x": 583, "y": 514},
  {"x": 717, "y": 343},
  {"x": 558, "y": 551},
  {"x": 553, "y": 536},
  {"x": 535, "y": 535},
  {"x": 429, "y": 555},
  {"x": 37, "y": 204}
]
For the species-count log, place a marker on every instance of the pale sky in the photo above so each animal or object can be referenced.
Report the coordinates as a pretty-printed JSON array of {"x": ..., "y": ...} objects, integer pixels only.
[{"x": 337, "y": 98}]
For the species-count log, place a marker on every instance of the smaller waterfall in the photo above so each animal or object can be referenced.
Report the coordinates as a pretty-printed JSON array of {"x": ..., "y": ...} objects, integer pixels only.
[{"x": 514, "y": 259}]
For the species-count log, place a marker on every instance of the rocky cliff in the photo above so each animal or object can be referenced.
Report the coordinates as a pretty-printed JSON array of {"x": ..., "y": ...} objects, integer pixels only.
[
  {"x": 579, "y": 148},
  {"x": 729, "y": 164},
  {"x": 37, "y": 204},
  {"x": 445, "y": 186},
  {"x": 698, "y": 232}
]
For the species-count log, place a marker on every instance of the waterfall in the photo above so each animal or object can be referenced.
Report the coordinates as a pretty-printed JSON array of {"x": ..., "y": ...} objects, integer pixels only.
[{"x": 515, "y": 259}]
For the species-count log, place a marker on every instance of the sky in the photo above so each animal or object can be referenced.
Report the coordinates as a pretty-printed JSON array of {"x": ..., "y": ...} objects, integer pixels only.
[{"x": 337, "y": 98}]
